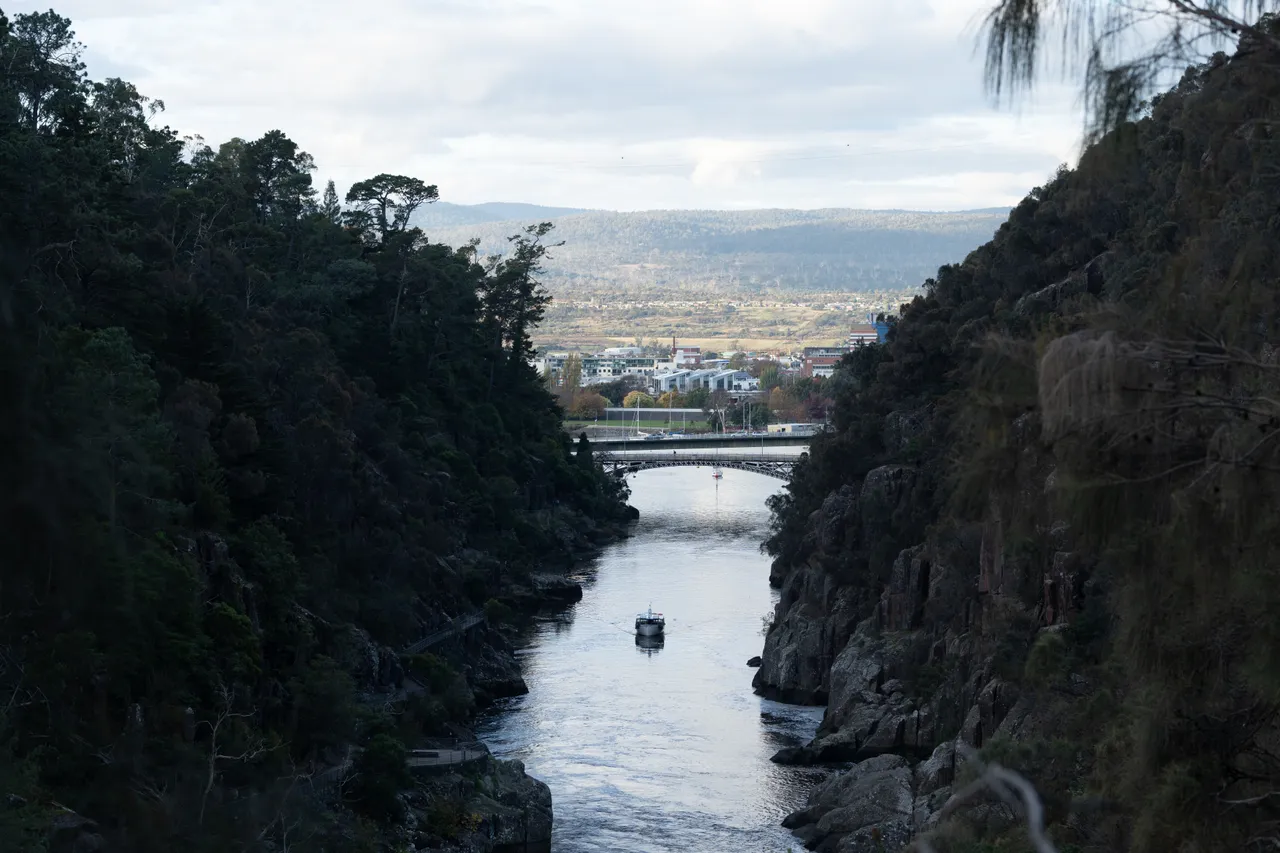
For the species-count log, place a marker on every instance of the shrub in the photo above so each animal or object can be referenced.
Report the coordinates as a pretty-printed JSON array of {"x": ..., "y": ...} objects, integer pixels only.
[{"x": 497, "y": 613}]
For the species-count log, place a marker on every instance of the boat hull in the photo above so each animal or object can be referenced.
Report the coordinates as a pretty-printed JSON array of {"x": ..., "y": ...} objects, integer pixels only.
[{"x": 649, "y": 629}]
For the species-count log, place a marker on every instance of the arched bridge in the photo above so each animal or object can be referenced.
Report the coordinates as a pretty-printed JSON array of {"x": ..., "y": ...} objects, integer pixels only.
[{"x": 772, "y": 465}]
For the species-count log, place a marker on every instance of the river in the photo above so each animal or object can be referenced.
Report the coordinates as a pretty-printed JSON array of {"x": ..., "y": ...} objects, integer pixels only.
[{"x": 663, "y": 749}]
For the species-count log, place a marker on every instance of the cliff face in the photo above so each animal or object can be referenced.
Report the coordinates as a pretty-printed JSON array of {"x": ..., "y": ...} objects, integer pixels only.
[{"x": 1002, "y": 550}]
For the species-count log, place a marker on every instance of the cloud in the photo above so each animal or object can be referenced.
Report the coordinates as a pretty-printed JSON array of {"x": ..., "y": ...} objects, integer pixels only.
[{"x": 600, "y": 103}]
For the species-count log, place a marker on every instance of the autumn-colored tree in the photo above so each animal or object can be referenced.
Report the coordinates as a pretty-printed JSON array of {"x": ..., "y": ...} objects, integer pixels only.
[
  {"x": 670, "y": 398},
  {"x": 587, "y": 405},
  {"x": 637, "y": 400}
]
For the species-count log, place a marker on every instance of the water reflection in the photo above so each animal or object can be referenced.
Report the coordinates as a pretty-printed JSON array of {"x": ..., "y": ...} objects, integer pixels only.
[
  {"x": 649, "y": 646},
  {"x": 663, "y": 749}
]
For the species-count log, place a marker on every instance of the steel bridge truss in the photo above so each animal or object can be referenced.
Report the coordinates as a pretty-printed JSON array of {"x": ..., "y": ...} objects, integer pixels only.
[{"x": 620, "y": 465}]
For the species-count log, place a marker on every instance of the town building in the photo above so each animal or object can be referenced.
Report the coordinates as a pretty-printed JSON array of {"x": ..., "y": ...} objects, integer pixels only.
[
  {"x": 871, "y": 332},
  {"x": 686, "y": 356},
  {"x": 793, "y": 429},
  {"x": 824, "y": 352},
  {"x": 599, "y": 368},
  {"x": 676, "y": 380},
  {"x": 819, "y": 366},
  {"x": 862, "y": 334}
]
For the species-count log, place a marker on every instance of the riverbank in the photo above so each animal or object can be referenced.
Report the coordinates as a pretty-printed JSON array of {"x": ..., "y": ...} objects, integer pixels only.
[{"x": 491, "y": 805}]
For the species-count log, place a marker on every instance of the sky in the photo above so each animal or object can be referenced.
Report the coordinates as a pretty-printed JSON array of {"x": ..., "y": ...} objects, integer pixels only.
[{"x": 703, "y": 104}]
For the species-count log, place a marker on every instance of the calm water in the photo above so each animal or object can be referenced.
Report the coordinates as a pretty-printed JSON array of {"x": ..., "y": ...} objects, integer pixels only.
[{"x": 663, "y": 749}]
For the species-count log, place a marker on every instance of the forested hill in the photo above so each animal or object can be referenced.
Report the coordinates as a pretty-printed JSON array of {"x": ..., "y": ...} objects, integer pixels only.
[
  {"x": 682, "y": 252},
  {"x": 443, "y": 214},
  {"x": 1045, "y": 526},
  {"x": 252, "y": 442}
]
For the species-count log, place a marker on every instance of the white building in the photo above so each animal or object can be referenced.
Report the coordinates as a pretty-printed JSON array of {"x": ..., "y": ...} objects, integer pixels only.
[
  {"x": 599, "y": 368},
  {"x": 676, "y": 379},
  {"x": 685, "y": 356}
]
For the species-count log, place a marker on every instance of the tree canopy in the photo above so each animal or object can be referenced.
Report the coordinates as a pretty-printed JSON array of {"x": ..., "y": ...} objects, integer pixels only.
[{"x": 249, "y": 440}]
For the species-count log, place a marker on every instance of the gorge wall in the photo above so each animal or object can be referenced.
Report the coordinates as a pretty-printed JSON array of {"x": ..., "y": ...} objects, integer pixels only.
[{"x": 1042, "y": 533}]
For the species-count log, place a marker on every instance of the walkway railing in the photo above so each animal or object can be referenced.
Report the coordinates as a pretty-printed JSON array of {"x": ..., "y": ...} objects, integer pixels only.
[
  {"x": 621, "y": 464},
  {"x": 462, "y": 623}
]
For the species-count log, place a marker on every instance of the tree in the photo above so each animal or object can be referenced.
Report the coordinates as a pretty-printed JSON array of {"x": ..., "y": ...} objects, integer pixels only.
[
  {"x": 637, "y": 400},
  {"x": 278, "y": 177},
  {"x": 1100, "y": 39},
  {"x": 384, "y": 204},
  {"x": 670, "y": 398},
  {"x": 738, "y": 360},
  {"x": 513, "y": 299},
  {"x": 617, "y": 389},
  {"x": 250, "y": 746},
  {"x": 770, "y": 377},
  {"x": 43, "y": 68},
  {"x": 588, "y": 405},
  {"x": 696, "y": 398},
  {"x": 330, "y": 207},
  {"x": 571, "y": 375},
  {"x": 379, "y": 774},
  {"x": 122, "y": 116}
]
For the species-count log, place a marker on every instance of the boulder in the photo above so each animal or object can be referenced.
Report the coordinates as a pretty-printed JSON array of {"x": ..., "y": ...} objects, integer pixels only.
[
  {"x": 868, "y": 807},
  {"x": 557, "y": 588},
  {"x": 506, "y": 802},
  {"x": 777, "y": 573},
  {"x": 493, "y": 672},
  {"x": 755, "y": 661}
]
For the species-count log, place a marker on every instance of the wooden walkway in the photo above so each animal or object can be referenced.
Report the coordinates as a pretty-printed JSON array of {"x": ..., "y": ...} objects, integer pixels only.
[
  {"x": 443, "y": 757},
  {"x": 327, "y": 782},
  {"x": 457, "y": 626}
]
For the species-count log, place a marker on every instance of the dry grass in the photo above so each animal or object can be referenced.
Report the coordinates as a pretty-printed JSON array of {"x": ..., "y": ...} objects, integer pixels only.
[{"x": 715, "y": 324}]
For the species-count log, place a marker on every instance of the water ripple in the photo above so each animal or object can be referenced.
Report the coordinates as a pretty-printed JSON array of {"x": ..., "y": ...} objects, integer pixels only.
[{"x": 663, "y": 749}]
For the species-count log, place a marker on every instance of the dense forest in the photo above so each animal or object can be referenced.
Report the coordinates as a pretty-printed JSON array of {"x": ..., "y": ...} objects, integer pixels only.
[
  {"x": 1042, "y": 536},
  {"x": 253, "y": 440},
  {"x": 700, "y": 253}
]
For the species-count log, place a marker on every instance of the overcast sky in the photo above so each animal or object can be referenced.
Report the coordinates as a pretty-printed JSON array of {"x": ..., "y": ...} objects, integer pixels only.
[{"x": 600, "y": 103}]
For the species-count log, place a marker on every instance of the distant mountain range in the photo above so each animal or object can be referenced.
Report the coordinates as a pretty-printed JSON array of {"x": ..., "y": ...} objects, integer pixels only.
[
  {"x": 705, "y": 252},
  {"x": 442, "y": 214}
]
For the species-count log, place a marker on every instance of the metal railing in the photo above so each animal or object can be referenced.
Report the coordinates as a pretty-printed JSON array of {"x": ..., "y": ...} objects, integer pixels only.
[{"x": 462, "y": 623}]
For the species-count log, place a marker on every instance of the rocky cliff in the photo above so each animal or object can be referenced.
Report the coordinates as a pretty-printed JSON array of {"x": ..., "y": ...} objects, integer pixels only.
[{"x": 1001, "y": 553}]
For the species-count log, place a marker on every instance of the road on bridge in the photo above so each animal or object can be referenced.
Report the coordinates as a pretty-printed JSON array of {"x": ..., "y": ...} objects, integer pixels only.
[
  {"x": 774, "y": 465},
  {"x": 772, "y": 441}
]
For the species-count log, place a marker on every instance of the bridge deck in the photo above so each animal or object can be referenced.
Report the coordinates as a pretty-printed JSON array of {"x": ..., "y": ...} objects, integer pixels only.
[
  {"x": 704, "y": 442},
  {"x": 772, "y": 465}
]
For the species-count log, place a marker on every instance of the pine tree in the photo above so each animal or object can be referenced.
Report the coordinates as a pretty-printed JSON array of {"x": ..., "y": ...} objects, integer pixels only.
[{"x": 330, "y": 207}]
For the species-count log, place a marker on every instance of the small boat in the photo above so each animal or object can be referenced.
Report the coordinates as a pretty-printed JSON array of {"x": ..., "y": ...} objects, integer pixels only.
[
  {"x": 650, "y": 624},
  {"x": 716, "y": 473}
]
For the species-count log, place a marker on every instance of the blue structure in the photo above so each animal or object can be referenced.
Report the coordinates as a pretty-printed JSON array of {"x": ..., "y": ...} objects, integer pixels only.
[{"x": 882, "y": 329}]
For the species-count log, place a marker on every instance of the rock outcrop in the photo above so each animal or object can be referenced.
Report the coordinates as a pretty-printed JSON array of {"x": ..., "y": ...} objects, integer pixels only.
[
  {"x": 492, "y": 670},
  {"x": 556, "y": 588},
  {"x": 903, "y": 650},
  {"x": 493, "y": 807}
]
